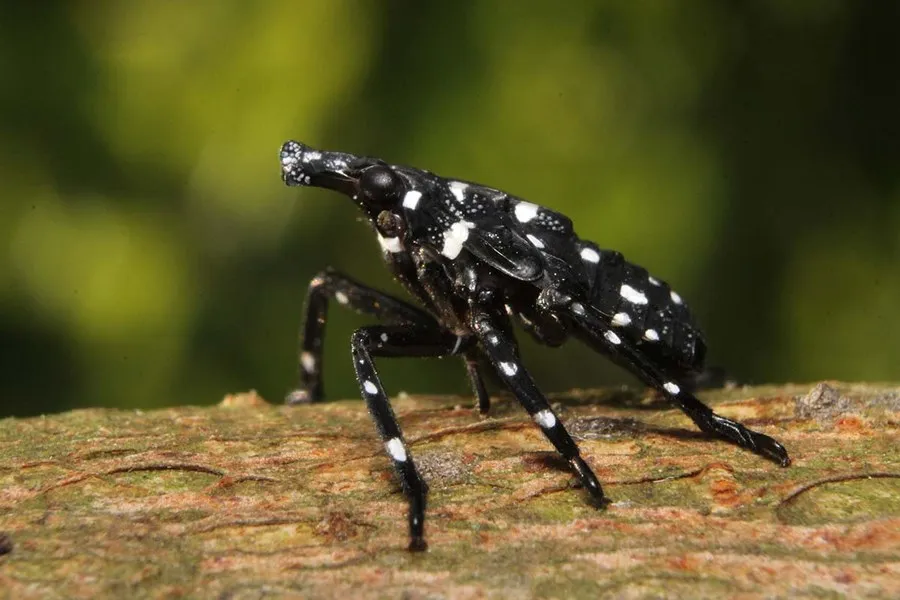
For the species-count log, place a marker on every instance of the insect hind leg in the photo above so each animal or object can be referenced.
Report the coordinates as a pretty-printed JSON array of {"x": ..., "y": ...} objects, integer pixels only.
[{"x": 601, "y": 337}]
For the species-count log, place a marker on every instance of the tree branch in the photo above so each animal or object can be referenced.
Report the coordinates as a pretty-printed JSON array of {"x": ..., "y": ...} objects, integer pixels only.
[{"x": 247, "y": 499}]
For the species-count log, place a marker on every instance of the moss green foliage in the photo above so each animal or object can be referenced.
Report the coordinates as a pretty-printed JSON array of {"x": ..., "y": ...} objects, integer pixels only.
[{"x": 248, "y": 500}]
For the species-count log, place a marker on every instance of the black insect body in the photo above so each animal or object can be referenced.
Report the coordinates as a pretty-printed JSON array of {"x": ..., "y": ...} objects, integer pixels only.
[{"x": 478, "y": 259}]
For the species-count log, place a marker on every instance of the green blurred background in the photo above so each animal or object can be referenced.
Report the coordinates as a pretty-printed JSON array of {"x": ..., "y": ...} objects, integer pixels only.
[{"x": 746, "y": 152}]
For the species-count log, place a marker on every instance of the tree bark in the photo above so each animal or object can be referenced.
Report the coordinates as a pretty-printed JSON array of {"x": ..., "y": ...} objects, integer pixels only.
[{"x": 247, "y": 499}]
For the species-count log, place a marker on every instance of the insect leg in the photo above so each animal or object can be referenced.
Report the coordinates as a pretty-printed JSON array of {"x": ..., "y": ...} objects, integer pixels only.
[
  {"x": 369, "y": 342},
  {"x": 604, "y": 339},
  {"x": 502, "y": 350},
  {"x": 477, "y": 381},
  {"x": 356, "y": 296},
  {"x": 439, "y": 290}
]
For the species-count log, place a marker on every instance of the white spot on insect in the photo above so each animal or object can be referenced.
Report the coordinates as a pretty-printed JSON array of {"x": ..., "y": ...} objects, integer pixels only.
[
  {"x": 672, "y": 388},
  {"x": 384, "y": 337},
  {"x": 545, "y": 418},
  {"x": 590, "y": 255},
  {"x": 370, "y": 387},
  {"x": 612, "y": 337},
  {"x": 675, "y": 297},
  {"x": 362, "y": 362},
  {"x": 577, "y": 308},
  {"x": 632, "y": 295},
  {"x": 621, "y": 319},
  {"x": 509, "y": 368},
  {"x": 536, "y": 242},
  {"x": 493, "y": 340},
  {"x": 526, "y": 211},
  {"x": 411, "y": 199},
  {"x": 396, "y": 449},
  {"x": 313, "y": 155},
  {"x": 455, "y": 237},
  {"x": 653, "y": 280},
  {"x": 651, "y": 336},
  {"x": 339, "y": 164},
  {"x": 390, "y": 244},
  {"x": 458, "y": 189},
  {"x": 341, "y": 297},
  {"x": 308, "y": 362}
]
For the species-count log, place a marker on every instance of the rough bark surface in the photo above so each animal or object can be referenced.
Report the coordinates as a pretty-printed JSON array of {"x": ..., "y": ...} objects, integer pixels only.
[{"x": 251, "y": 500}]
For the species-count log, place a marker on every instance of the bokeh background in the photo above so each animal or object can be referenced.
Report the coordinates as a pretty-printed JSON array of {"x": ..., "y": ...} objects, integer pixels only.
[{"x": 745, "y": 152}]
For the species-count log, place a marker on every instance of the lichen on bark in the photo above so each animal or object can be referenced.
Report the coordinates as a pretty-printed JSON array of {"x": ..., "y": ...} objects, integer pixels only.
[{"x": 247, "y": 499}]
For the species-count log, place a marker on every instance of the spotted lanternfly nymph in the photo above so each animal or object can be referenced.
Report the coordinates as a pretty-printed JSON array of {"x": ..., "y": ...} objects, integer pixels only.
[{"x": 479, "y": 260}]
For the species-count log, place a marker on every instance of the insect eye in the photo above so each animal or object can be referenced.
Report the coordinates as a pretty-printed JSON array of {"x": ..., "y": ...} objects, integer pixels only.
[{"x": 380, "y": 186}]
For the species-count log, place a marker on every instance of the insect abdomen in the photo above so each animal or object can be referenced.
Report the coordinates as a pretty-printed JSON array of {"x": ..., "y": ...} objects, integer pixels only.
[{"x": 644, "y": 308}]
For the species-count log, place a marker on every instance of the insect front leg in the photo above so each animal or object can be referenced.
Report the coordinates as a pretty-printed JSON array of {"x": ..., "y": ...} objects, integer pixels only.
[
  {"x": 369, "y": 342},
  {"x": 329, "y": 285},
  {"x": 501, "y": 348},
  {"x": 606, "y": 340}
]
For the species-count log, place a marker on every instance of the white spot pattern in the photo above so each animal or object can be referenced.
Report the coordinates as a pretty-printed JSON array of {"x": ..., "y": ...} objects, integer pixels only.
[
  {"x": 396, "y": 449},
  {"x": 370, "y": 387},
  {"x": 632, "y": 295},
  {"x": 672, "y": 388},
  {"x": 590, "y": 255},
  {"x": 458, "y": 189},
  {"x": 509, "y": 368},
  {"x": 545, "y": 418},
  {"x": 411, "y": 199},
  {"x": 390, "y": 244},
  {"x": 621, "y": 319},
  {"x": 526, "y": 211},
  {"x": 384, "y": 337},
  {"x": 612, "y": 337},
  {"x": 455, "y": 237},
  {"x": 341, "y": 297},
  {"x": 651, "y": 336},
  {"x": 675, "y": 297},
  {"x": 577, "y": 308},
  {"x": 536, "y": 242},
  {"x": 308, "y": 362},
  {"x": 653, "y": 280}
]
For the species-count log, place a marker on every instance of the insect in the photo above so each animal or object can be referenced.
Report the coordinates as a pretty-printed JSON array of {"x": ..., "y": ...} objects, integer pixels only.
[{"x": 478, "y": 260}]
